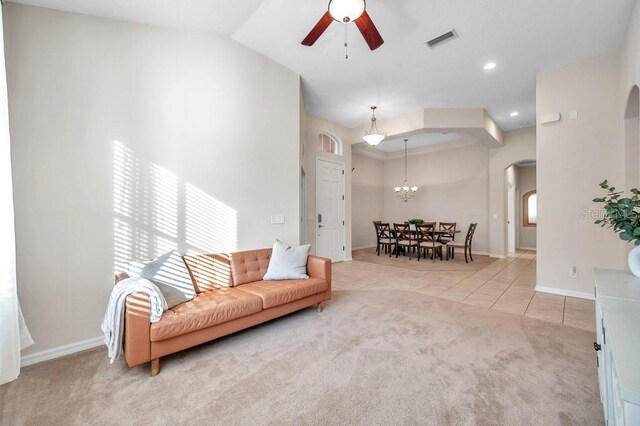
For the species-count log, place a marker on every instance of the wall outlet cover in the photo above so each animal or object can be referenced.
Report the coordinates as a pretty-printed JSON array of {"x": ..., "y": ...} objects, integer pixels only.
[{"x": 573, "y": 272}]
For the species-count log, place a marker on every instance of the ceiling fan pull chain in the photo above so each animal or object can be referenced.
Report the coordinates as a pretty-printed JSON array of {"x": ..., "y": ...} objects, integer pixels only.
[{"x": 346, "y": 44}]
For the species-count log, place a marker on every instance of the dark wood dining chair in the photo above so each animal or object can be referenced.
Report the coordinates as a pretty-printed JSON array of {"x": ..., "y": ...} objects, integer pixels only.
[
  {"x": 405, "y": 239},
  {"x": 384, "y": 237},
  {"x": 427, "y": 241},
  {"x": 448, "y": 232},
  {"x": 375, "y": 226},
  {"x": 466, "y": 245}
]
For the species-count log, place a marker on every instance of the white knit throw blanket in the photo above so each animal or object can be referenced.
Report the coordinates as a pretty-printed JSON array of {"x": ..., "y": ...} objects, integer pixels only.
[{"x": 113, "y": 322}]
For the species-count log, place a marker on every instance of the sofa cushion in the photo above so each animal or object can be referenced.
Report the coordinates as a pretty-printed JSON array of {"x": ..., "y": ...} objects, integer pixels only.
[
  {"x": 209, "y": 271},
  {"x": 275, "y": 293},
  {"x": 287, "y": 262},
  {"x": 249, "y": 266},
  {"x": 169, "y": 273},
  {"x": 207, "y": 309}
]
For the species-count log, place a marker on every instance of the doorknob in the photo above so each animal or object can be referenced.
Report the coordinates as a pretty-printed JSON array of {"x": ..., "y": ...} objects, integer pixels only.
[{"x": 320, "y": 226}]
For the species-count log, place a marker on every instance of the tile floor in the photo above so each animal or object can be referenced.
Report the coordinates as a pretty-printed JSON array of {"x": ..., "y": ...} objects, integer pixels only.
[{"x": 505, "y": 285}]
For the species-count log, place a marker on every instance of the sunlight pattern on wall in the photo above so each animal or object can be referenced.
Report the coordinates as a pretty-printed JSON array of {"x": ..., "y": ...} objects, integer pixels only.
[
  {"x": 212, "y": 227},
  {"x": 154, "y": 213}
]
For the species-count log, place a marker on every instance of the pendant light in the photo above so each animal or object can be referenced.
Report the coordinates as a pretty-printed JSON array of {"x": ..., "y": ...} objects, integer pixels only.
[
  {"x": 374, "y": 136},
  {"x": 405, "y": 192}
]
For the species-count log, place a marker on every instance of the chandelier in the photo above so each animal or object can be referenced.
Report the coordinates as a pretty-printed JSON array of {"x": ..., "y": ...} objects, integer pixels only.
[
  {"x": 405, "y": 192},
  {"x": 374, "y": 136}
]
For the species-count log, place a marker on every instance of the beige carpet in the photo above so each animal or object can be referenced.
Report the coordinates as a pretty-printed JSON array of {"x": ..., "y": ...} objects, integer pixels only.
[
  {"x": 374, "y": 356},
  {"x": 458, "y": 264}
]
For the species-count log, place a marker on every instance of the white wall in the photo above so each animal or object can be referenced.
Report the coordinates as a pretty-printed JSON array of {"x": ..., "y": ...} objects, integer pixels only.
[
  {"x": 368, "y": 199},
  {"x": 630, "y": 81},
  {"x": 630, "y": 57},
  {"x": 519, "y": 145},
  {"x": 526, "y": 183},
  {"x": 313, "y": 126},
  {"x": 129, "y": 140},
  {"x": 453, "y": 187},
  {"x": 573, "y": 157}
]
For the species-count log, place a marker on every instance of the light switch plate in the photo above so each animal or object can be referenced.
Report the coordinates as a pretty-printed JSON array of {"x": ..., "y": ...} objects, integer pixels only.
[
  {"x": 550, "y": 118},
  {"x": 277, "y": 219},
  {"x": 573, "y": 115}
]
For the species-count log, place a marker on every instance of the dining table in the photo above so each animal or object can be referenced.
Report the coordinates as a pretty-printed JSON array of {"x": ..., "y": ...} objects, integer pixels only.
[{"x": 438, "y": 234}]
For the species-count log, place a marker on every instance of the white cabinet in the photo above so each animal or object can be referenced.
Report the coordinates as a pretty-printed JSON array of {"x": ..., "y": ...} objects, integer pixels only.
[{"x": 618, "y": 345}]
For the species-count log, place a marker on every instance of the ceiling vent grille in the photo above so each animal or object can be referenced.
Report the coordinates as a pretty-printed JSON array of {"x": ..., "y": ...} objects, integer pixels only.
[{"x": 450, "y": 35}]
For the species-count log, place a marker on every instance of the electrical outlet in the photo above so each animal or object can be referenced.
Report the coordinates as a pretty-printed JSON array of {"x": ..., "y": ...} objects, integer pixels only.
[{"x": 573, "y": 272}]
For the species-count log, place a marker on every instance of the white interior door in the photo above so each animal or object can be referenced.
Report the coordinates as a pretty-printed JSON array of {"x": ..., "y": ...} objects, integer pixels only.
[
  {"x": 330, "y": 210},
  {"x": 511, "y": 219},
  {"x": 303, "y": 206}
]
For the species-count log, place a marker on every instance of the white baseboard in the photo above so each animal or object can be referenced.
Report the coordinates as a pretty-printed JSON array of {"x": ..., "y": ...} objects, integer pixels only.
[
  {"x": 498, "y": 256},
  {"x": 362, "y": 248},
  {"x": 348, "y": 259},
  {"x": 527, "y": 248},
  {"x": 563, "y": 292},
  {"x": 61, "y": 351}
]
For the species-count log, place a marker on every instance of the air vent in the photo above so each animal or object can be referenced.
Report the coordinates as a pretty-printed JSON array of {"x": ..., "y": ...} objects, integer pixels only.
[{"x": 442, "y": 38}]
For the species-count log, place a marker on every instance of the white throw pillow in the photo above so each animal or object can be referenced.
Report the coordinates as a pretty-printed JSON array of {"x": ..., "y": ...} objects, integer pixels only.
[
  {"x": 287, "y": 263},
  {"x": 169, "y": 273}
]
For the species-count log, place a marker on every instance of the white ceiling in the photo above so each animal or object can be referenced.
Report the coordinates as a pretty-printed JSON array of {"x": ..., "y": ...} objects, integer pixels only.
[
  {"x": 416, "y": 141},
  {"x": 522, "y": 36}
]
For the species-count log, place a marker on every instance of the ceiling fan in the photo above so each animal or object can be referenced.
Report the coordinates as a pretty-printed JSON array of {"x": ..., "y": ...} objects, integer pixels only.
[{"x": 346, "y": 11}]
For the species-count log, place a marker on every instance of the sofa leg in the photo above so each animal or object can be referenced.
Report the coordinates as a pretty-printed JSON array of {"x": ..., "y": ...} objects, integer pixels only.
[
  {"x": 320, "y": 306},
  {"x": 155, "y": 367}
]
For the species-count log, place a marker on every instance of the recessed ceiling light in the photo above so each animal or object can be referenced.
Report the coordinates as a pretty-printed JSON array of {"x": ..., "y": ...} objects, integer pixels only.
[
  {"x": 514, "y": 114},
  {"x": 490, "y": 66}
]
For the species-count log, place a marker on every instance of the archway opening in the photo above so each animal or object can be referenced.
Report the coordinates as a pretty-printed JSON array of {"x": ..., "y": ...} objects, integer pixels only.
[
  {"x": 632, "y": 139},
  {"x": 520, "y": 206}
]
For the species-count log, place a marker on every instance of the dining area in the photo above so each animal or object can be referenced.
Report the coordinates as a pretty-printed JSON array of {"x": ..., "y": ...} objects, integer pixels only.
[{"x": 424, "y": 240}]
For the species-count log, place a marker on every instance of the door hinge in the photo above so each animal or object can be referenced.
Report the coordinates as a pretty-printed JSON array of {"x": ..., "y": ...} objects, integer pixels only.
[
  {"x": 343, "y": 197},
  {"x": 342, "y": 248},
  {"x": 342, "y": 171},
  {"x": 343, "y": 223}
]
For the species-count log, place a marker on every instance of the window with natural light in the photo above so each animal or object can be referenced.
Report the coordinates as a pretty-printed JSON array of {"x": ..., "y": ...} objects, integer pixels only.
[
  {"x": 530, "y": 209},
  {"x": 329, "y": 144}
]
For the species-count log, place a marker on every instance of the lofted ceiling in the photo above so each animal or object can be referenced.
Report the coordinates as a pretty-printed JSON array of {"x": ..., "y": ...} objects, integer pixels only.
[{"x": 521, "y": 36}]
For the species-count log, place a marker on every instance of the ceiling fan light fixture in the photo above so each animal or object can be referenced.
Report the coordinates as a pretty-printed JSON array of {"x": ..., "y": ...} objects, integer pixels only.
[
  {"x": 346, "y": 10},
  {"x": 374, "y": 136}
]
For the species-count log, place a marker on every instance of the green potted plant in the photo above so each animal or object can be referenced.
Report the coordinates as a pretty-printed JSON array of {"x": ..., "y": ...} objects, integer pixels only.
[
  {"x": 623, "y": 215},
  {"x": 414, "y": 222}
]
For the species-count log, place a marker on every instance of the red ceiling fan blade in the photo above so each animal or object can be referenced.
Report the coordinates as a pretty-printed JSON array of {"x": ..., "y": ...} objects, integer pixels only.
[
  {"x": 317, "y": 31},
  {"x": 369, "y": 31}
]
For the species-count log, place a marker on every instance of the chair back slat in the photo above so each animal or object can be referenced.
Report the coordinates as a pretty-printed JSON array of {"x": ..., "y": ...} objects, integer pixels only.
[
  {"x": 384, "y": 230},
  {"x": 448, "y": 226},
  {"x": 470, "y": 232},
  {"x": 403, "y": 232},
  {"x": 375, "y": 225},
  {"x": 426, "y": 233}
]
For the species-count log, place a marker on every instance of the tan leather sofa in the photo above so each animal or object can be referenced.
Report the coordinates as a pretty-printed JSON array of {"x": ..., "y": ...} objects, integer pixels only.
[{"x": 231, "y": 296}]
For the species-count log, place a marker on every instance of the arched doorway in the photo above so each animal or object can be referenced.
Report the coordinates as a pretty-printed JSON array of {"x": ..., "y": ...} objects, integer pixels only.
[
  {"x": 520, "y": 206},
  {"x": 632, "y": 139}
]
